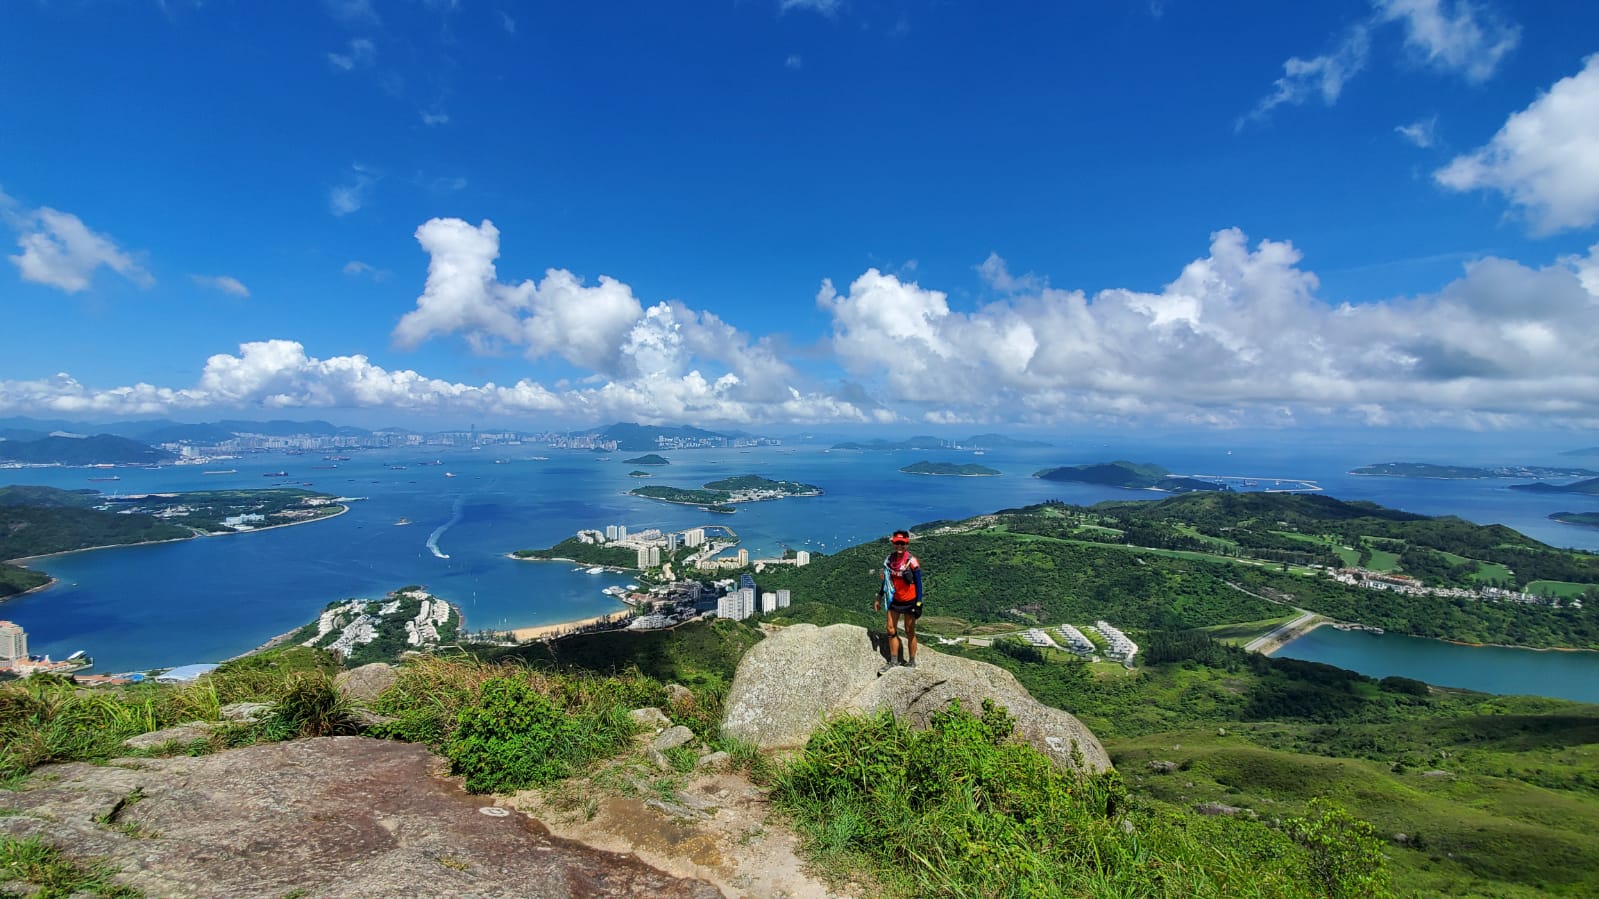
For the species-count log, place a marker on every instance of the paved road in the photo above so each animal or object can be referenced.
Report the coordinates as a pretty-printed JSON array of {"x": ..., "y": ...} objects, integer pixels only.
[{"x": 1280, "y": 632}]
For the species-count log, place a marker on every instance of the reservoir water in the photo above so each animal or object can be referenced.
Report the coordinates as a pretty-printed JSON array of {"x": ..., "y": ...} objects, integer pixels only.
[
  {"x": 1491, "y": 669},
  {"x": 135, "y": 608}
]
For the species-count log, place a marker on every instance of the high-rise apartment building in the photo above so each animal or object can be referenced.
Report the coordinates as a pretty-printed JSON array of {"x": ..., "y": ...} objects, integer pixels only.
[{"x": 13, "y": 642}]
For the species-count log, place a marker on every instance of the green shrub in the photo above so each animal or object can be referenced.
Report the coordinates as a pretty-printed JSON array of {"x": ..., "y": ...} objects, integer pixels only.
[
  {"x": 964, "y": 809},
  {"x": 1345, "y": 853},
  {"x": 514, "y": 737}
]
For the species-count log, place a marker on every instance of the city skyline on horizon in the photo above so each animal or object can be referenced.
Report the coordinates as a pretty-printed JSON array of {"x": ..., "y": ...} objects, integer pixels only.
[{"x": 805, "y": 214}]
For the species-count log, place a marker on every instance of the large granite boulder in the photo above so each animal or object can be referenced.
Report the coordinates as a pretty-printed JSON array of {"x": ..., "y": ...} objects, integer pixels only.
[
  {"x": 366, "y": 683},
  {"x": 789, "y": 683}
]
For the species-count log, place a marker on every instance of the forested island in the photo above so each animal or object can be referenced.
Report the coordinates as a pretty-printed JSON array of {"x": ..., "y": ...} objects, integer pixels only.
[
  {"x": 950, "y": 468},
  {"x": 36, "y": 521},
  {"x": 648, "y": 459},
  {"x": 720, "y": 495},
  {"x": 1589, "y": 487},
  {"x": 1464, "y": 472},
  {"x": 1586, "y": 519},
  {"x": 1130, "y": 475}
]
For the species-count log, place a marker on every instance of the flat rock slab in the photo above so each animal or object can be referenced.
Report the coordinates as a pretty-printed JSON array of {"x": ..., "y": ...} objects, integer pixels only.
[{"x": 334, "y": 816}]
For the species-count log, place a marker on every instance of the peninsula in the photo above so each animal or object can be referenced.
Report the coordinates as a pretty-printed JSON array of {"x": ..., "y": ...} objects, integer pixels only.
[
  {"x": 1585, "y": 519},
  {"x": 1464, "y": 472},
  {"x": 1589, "y": 487},
  {"x": 41, "y": 521}
]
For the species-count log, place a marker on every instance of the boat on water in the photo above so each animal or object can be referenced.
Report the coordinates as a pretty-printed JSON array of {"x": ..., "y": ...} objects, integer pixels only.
[
  {"x": 449, "y": 474},
  {"x": 595, "y": 570},
  {"x": 222, "y": 471},
  {"x": 402, "y": 521},
  {"x": 274, "y": 474},
  {"x": 111, "y": 478}
]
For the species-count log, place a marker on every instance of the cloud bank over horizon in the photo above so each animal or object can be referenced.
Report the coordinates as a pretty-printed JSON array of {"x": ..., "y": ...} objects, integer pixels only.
[{"x": 1240, "y": 337}]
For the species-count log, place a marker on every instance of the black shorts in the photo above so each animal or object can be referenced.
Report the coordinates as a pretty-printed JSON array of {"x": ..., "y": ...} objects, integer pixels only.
[{"x": 911, "y": 610}]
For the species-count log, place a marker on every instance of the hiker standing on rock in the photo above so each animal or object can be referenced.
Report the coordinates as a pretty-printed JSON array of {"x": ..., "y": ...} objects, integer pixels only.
[{"x": 901, "y": 594}]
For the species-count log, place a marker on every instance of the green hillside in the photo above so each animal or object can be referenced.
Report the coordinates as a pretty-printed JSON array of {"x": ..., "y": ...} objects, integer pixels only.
[{"x": 1176, "y": 563}]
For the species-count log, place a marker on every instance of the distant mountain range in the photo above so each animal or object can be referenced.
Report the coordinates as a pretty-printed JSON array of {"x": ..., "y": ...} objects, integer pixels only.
[
  {"x": 168, "y": 431},
  {"x": 100, "y": 449},
  {"x": 1131, "y": 475},
  {"x": 1586, "y": 451}
]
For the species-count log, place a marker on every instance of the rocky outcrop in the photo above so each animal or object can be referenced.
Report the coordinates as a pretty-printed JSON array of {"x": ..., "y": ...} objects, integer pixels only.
[
  {"x": 366, "y": 683},
  {"x": 793, "y": 680},
  {"x": 333, "y": 816}
]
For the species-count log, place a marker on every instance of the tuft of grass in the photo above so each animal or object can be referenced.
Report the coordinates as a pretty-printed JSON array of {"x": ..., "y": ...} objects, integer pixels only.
[
  {"x": 309, "y": 706},
  {"x": 33, "y": 862}
]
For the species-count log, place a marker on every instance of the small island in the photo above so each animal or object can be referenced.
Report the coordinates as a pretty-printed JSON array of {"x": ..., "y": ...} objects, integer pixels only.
[
  {"x": 649, "y": 459},
  {"x": 950, "y": 469},
  {"x": 639, "y": 474},
  {"x": 719, "y": 496},
  {"x": 1463, "y": 472},
  {"x": 1129, "y": 475},
  {"x": 1582, "y": 519}
]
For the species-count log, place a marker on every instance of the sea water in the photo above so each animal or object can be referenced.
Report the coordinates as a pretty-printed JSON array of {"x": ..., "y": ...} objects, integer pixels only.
[{"x": 206, "y": 599}]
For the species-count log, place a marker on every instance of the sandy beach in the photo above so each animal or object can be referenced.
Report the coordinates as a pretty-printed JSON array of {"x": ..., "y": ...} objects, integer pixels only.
[{"x": 551, "y": 630}]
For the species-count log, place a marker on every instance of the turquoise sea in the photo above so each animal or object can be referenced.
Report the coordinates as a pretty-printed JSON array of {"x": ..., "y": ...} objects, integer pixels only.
[{"x": 136, "y": 608}]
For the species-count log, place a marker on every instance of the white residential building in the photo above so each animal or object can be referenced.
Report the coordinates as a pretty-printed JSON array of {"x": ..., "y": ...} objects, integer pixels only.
[
  {"x": 803, "y": 557},
  {"x": 768, "y": 602},
  {"x": 1075, "y": 641},
  {"x": 737, "y": 605},
  {"x": 1120, "y": 647},
  {"x": 782, "y": 598},
  {"x": 13, "y": 642}
]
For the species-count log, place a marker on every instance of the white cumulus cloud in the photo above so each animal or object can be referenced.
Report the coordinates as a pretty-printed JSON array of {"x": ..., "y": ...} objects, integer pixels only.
[
  {"x": 1546, "y": 157},
  {"x": 1241, "y": 335},
  {"x": 60, "y": 251},
  {"x": 1237, "y": 334},
  {"x": 1462, "y": 37}
]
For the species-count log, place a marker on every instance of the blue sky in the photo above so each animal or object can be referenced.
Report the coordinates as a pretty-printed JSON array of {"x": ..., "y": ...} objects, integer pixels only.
[{"x": 809, "y": 212}]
